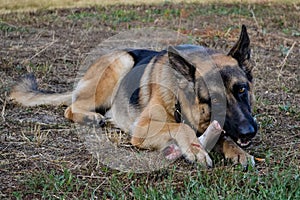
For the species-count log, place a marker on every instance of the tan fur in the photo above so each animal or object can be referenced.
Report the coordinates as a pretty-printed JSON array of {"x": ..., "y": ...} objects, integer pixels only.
[
  {"x": 97, "y": 86},
  {"x": 234, "y": 153},
  {"x": 155, "y": 135},
  {"x": 22, "y": 94},
  {"x": 222, "y": 60},
  {"x": 154, "y": 126}
]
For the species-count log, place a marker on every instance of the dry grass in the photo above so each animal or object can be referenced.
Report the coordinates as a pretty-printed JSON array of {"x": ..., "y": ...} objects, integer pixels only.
[
  {"x": 7, "y": 6},
  {"x": 44, "y": 156}
]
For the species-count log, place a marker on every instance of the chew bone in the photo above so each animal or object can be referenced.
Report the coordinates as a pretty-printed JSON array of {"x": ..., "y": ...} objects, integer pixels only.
[{"x": 211, "y": 136}]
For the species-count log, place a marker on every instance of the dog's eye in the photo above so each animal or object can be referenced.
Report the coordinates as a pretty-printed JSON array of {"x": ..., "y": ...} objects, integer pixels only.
[{"x": 242, "y": 90}]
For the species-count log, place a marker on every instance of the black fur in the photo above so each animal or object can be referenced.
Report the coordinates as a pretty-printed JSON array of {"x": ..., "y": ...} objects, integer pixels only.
[{"x": 142, "y": 58}]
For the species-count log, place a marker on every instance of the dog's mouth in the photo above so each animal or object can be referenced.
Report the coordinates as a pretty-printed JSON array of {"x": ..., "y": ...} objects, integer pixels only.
[
  {"x": 243, "y": 142},
  {"x": 240, "y": 141}
]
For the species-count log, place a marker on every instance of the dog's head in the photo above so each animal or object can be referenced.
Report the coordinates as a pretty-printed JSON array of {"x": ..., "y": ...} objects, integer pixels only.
[{"x": 217, "y": 87}]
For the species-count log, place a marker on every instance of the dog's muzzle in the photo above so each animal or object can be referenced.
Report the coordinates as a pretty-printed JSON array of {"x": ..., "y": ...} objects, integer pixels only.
[{"x": 246, "y": 131}]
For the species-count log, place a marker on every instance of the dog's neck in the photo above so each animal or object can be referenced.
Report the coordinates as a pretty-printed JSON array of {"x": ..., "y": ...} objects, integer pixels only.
[{"x": 179, "y": 117}]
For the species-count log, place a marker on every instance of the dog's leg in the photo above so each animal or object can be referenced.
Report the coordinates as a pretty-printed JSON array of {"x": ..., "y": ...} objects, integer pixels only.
[
  {"x": 150, "y": 134},
  {"x": 233, "y": 152},
  {"x": 208, "y": 140},
  {"x": 78, "y": 112},
  {"x": 96, "y": 88}
]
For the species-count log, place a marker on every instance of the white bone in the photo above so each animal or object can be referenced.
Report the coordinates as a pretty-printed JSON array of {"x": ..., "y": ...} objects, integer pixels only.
[{"x": 211, "y": 136}]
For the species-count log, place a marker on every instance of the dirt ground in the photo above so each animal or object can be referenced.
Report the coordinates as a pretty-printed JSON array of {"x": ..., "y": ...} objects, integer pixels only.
[{"x": 53, "y": 44}]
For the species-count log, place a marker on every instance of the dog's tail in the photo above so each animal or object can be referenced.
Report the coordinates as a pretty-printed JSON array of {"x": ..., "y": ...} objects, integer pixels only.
[{"x": 26, "y": 92}]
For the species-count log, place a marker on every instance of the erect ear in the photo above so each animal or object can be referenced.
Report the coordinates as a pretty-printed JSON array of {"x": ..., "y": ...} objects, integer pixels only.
[
  {"x": 241, "y": 52},
  {"x": 180, "y": 64}
]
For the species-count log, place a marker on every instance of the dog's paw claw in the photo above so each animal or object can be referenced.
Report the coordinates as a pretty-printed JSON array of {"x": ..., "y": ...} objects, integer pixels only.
[
  {"x": 102, "y": 123},
  {"x": 95, "y": 119},
  {"x": 198, "y": 154},
  {"x": 244, "y": 159},
  {"x": 205, "y": 160}
]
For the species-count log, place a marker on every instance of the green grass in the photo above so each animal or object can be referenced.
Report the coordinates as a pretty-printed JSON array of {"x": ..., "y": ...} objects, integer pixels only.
[
  {"x": 121, "y": 15},
  {"x": 224, "y": 10},
  {"x": 54, "y": 185},
  {"x": 61, "y": 176},
  {"x": 278, "y": 184},
  {"x": 223, "y": 183},
  {"x": 6, "y": 28},
  {"x": 20, "y": 5}
]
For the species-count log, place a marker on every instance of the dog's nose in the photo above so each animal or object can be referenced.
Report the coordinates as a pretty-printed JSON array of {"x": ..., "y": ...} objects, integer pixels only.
[{"x": 247, "y": 130}]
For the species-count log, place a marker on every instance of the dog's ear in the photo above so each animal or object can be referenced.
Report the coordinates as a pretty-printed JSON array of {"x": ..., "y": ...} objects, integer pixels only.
[
  {"x": 241, "y": 52},
  {"x": 180, "y": 64}
]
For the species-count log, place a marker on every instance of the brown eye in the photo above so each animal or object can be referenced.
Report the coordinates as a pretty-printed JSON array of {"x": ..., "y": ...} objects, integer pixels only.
[{"x": 242, "y": 90}]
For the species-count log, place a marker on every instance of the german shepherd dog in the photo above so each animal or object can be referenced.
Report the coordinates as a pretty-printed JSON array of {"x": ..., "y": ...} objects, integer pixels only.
[{"x": 164, "y": 97}]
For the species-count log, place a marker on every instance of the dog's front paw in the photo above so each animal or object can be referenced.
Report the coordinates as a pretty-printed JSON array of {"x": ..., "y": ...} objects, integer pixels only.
[
  {"x": 241, "y": 157},
  {"x": 198, "y": 154},
  {"x": 237, "y": 155}
]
